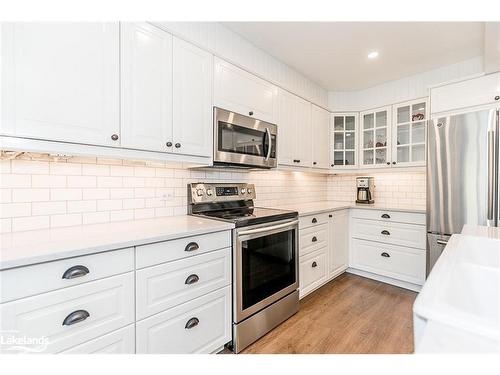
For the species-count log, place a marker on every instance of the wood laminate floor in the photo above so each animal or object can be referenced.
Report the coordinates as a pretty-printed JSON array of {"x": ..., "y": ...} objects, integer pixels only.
[{"x": 350, "y": 314}]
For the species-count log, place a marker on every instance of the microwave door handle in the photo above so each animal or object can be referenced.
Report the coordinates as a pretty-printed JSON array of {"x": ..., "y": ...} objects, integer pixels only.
[
  {"x": 267, "y": 229},
  {"x": 268, "y": 135}
]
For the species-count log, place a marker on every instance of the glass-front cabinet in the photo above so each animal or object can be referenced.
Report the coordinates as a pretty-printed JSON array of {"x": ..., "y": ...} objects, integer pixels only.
[
  {"x": 344, "y": 144},
  {"x": 375, "y": 138},
  {"x": 409, "y": 133}
]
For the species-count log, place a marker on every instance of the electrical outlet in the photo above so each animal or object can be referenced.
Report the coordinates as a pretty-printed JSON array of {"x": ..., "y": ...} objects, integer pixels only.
[{"x": 167, "y": 197}]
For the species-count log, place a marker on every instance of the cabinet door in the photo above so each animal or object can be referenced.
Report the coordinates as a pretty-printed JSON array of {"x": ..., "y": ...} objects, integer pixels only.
[
  {"x": 146, "y": 87},
  {"x": 375, "y": 138},
  {"x": 239, "y": 91},
  {"x": 344, "y": 140},
  {"x": 304, "y": 133},
  {"x": 287, "y": 129},
  {"x": 192, "y": 98},
  {"x": 338, "y": 242},
  {"x": 61, "y": 81},
  {"x": 409, "y": 133},
  {"x": 320, "y": 120}
]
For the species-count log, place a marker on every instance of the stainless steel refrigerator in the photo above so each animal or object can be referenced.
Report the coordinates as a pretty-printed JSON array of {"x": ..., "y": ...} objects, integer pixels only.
[{"x": 463, "y": 184}]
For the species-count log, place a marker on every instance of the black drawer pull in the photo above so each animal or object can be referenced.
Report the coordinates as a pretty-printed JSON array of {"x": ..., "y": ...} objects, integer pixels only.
[
  {"x": 191, "y": 279},
  {"x": 191, "y": 323},
  {"x": 74, "y": 272},
  {"x": 314, "y": 239},
  {"x": 385, "y": 232},
  {"x": 314, "y": 265},
  {"x": 76, "y": 317},
  {"x": 192, "y": 246},
  {"x": 386, "y": 216},
  {"x": 314, "y": 220},
  {"x": 330, "y": 215},
  {"x": 385, "y": 255}
]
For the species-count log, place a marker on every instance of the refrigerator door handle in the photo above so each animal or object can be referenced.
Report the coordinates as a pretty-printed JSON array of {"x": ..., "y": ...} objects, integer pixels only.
[{"x": 492, "y": 170}]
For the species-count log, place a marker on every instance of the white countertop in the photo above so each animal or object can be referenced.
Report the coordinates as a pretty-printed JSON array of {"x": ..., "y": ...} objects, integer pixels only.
[
  {"x": 30, "y": 247},
  {"x": 460, "y": 301},
  {"x": 311, "y": 208}
]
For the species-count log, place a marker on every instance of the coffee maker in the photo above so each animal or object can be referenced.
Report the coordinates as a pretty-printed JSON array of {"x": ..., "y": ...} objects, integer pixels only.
[{"x": 365, "y": 187}]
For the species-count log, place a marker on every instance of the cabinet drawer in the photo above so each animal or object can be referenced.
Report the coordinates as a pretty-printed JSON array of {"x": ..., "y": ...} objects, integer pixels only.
[
  {"x": 393, "y": 233},
  {"x": 312, "y": 220},
  {"x": 398, "y": 262},
  {"x": 121, "y": 341},
  {"x": 312, "y": 271},
  {"x": 166, "y": 251},
  {"x": 390, "y": 216},
  {"x": 169, "y": 332},
  {"x": 108, "y": 302},
  {"x": 167, "y": 285},
  {"x": 27, "y": 281},
  {"x": 312, "y": 239}
]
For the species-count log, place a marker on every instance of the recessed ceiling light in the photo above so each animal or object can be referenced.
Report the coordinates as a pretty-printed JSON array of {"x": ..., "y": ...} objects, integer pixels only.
[{"x": 373, "y": 55}]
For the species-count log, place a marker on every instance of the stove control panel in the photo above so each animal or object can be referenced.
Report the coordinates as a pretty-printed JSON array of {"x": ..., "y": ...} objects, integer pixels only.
[{"x": 205, "y": 193}]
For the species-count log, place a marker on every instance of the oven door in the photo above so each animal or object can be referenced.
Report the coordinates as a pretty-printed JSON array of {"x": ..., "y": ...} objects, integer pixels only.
[
  {"x": 243, "y": 140},
  {"x": 265, "y": 266}
]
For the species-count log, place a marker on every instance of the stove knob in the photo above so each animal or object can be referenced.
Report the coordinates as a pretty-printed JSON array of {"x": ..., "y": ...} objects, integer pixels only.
[
  {"x": 243, "y": 190},
  {"x": 249, "y": 191},
  {"x": 209, "y": 192},
  {"x": 199, "y": 192}
]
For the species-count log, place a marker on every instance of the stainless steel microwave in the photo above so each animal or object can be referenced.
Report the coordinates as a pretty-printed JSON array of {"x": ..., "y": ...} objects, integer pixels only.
[{"x": 243, "y": 141}]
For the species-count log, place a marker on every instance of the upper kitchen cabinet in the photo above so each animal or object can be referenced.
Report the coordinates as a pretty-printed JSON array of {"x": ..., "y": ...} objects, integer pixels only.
[
  {"x": 409, "y": 133},
  {"x": 375, "y": 138},
  {"x": 320, "y": 120},
  {"x": 192, "y": 112},
  {"x": 344, "y": 140},
  {"x": 465, "y": 95},
  {"x": 241, "y": 92},
  {"x": 61, "y": 82},
  {"x": 294, "y": 131},
  {"x": 146, "y": 76}
]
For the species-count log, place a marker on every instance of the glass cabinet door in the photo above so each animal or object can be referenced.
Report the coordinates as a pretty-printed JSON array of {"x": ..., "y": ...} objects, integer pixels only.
[
  {"x": 375, "y": 137},
  {"x": 344, "y": 133},
  {"x": 409, "y": 133}
]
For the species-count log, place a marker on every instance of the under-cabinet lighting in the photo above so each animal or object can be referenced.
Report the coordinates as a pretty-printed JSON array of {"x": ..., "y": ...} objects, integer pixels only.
[{"x": 373, "y": 55}]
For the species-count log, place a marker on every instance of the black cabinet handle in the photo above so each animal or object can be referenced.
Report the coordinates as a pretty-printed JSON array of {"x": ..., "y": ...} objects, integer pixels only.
[
  {"x": 76, "y": 317},
  {"x": 388, "y": 163},
  {"x": 314, "y": 265},
  {"x": 314, "y": 163},
  {"x": 393, "y": 162},
  {"x": 74, "y": 272},
  {"x": 330, "y": 215},
  {"x": 385, "y": 255},
  {"x": 177, "y": 145},
  {"x": 169, "y": 144},
  {"x": 385, "y": 232},
  {"x": 192, "y": 246},
  {"x": 114, "y": 137},
  {"x": 191, "y": 323},
  {"x": 332, "y": 165},
  {"x": 497, "y": 97},
  {"x": 314, "y": 220},
  {"x": 314, "y": 239},
  {"x": 386, "y": 216},
  {"x": 250, "y": 113},
  {"x": 191, "y": 279}
]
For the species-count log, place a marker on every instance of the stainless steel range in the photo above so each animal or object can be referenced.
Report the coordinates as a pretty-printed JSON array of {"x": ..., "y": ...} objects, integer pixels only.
[{"x": 265, "y": 257}]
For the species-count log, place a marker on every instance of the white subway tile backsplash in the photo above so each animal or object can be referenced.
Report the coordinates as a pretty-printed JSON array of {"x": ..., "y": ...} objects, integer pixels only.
[
  {"x": 5, "y": 195},
  {"x": 120, "y": 170},
  {"x": 109, "y": 204},
  {"x": 5, "y": 225},
  {"x": 109, "y": 182},
  {"x": 15, "y": 209},
  {"x": 29, "y": 167},
  {"x": 133, "y": 203},
  {"x": 30, "y": 223},
  {"x": 82, "y": 206},
  {"x": 30, "y": 195},
  {"x": 99, "y": 193},
  {"x": 121, "y": 193},
  {"x": 48, "y": 208},
  {"x": 122, "y": 215},
  {"x": 15, "y": 181},
  {"x": 95, "y": 217},
  {"x": 65, "y": 194},
  {"x": 66, "y": 220},
  {"x": 48, "y": 181},
  {"x": 65, "y": 169},
  {"x": 82, "y": 181},
  {"x": 95, "y": 170}
]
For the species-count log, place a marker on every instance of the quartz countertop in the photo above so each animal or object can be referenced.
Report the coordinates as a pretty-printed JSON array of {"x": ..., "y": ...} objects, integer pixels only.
[
  {"x": 311, "y": 208},
  {"x": 30, "y": 247},
  {"x": 460, "y": 301}
]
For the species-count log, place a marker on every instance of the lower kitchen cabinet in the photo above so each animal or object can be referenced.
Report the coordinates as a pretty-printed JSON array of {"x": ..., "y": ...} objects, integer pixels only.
[
  {"x": 121, "y": 341},
  {"x": 202, "y": 325},
  {"x": 313, "y": 271},
  {"x": 338, "y": 255}
]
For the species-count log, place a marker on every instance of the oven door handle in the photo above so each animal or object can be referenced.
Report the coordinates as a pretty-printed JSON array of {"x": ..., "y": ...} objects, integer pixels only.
[
  {"x": 268, "y": 134},
  {"x": 268, "y": 229}
]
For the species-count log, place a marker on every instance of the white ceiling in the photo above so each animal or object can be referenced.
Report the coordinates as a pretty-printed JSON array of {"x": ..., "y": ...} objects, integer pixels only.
[{"x": 334, "y": 54}]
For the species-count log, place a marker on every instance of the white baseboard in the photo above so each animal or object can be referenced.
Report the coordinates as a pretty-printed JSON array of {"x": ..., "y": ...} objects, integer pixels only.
[{"x": 385, "y": 279}]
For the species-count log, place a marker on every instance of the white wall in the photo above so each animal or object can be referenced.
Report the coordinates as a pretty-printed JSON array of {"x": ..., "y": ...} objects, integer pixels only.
[
  {"x": 403, "y": 89},
  {"x": 230, "y": 46}
]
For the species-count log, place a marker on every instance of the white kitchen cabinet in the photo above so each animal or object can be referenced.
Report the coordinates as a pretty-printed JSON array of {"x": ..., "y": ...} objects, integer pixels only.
[
  {"x": 192, "y": 100},
  {"x": 320, "y": 120},
  {"x": 121, "y": 341},
  {"x": 409, "y": 133},
  {"x": 294, "y": 131},
  {"x": 465, "y": 95},
  {"x": 238, "y": 91},
  {"x": 61, "y": 82},
  {"x": 146, "y": 90},
  {"x": 375, "y": 138},
  {"x": 313, "y": 271},
  {"x": 338, "y": 242},
  {"x": 344, "y": 140}
]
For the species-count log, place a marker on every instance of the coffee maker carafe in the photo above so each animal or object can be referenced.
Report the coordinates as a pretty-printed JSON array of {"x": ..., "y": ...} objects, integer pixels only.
[{"x": 365, "y": 189}]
